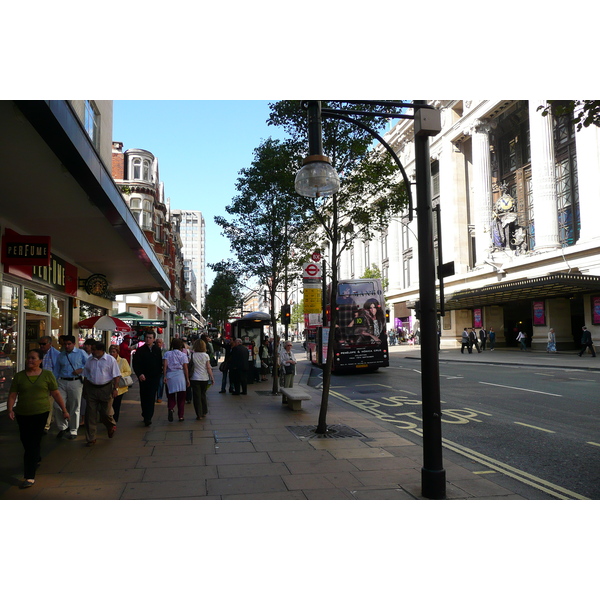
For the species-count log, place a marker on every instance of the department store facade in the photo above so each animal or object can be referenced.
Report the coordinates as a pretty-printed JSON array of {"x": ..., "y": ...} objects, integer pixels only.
[{"x": 519, "y": 198}]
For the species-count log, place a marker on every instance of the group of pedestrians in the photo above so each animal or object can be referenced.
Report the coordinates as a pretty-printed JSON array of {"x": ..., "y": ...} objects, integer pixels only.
[
  {"x": 471, "y": 339},
  {"x": 68, "y": 377}
]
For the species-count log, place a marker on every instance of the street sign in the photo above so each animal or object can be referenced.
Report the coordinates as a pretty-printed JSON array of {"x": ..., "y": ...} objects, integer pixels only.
[
  {"x": 311, "y": 270},
  {"x": 316, "y": 256}
]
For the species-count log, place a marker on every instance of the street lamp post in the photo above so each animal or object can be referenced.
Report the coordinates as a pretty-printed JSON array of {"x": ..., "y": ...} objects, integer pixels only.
[{"x": 311, "y": 182}]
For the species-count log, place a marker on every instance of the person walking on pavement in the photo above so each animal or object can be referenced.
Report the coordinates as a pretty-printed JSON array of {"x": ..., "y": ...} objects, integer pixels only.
[
  {"x": 551, "y": 347},
  {"x": 465, "y": 342},
  {"x": 224, "y": 368},
  {"x": 51, "y": 355},
  {"x": 176, "y": 376},
  {"x": 101, "y": 385},
  {"x": 32, "y": 387},
  {"x": 522, "y": 339},
  {"x": 201, "y": 377},
  {"x": 482, "y": 338},
  {"x": 473, "y": 339},
  {"x": 148, "y": 365},
  {"x": 125, "y": 369},
  {"x": 70, "y": 366},
  {"x": 492, "y": 338},
  {"x": 586, "y": 342},
  {"x": 238, "y": 367}
]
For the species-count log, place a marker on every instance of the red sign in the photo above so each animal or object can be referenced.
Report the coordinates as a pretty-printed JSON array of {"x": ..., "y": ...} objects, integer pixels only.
[
  {"x": 311, "y": 270},
  {"x": 316, "y": 256},
  {"x": 33, "y": 250}
]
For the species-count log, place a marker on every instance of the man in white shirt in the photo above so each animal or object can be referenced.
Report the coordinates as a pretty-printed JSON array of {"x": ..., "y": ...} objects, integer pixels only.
[{"x": 101, "y": 385}]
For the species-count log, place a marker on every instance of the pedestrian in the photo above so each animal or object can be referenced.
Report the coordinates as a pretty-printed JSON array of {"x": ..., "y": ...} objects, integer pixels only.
[
  {"x": 147, "y": 364},
  {"x": 70, "y": 364},
  {"x": 124, "y": 349},
  {"x": 201, "y": 377},
  {"x": 224, "y": 368},
  {"x": 88, "y": 345},
  {"x": 551, "y": 347},
  {"x": 51, "y": 355},
  {"x": 288, "y": 361},
  {"x": 161, "y": 384},
  {"x": 586, "y": 342},
  {"x": 483, "y": 336},
  {"x": 492, "y": 338},
  {"x": 465, "y": 342},
  {"x": 101, "y": 385},
  {"x": 125, "y": 370},
  {"x": 177, "y": 379},
  {"x": 238, "y": 367},
  {"x": 473, "y": 340},
  {"x": 265, "y": 360},
  {"x": 522, "y": 339},
  {"x": 32, "y": 387}
]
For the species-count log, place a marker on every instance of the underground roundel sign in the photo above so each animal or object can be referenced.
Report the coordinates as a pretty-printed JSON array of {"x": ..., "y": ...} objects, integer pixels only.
[{"x": 311, "y": 270}]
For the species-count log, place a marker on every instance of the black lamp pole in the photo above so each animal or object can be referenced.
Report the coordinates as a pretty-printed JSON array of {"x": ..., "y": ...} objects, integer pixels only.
[{"x": 433, "y": 475}]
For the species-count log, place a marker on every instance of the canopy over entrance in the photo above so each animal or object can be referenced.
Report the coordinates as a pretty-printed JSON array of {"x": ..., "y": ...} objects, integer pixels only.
[{"x": 537, "y": 288}]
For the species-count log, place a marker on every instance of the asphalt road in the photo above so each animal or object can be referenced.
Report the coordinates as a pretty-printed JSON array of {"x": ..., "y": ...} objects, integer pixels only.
[{"x": 537, "y": 428}]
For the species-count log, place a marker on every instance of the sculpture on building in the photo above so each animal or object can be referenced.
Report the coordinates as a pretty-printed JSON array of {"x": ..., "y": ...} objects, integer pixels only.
[{"x": 504, "y": 217}]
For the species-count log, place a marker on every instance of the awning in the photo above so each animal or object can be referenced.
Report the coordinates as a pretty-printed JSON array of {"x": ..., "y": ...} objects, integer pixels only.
[
  {"x": 55, "y": 184},
  {"x": 537, "y": 288}
]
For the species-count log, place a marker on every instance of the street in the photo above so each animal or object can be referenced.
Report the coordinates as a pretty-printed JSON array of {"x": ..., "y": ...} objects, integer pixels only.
[{"x": 537, "y": 426}]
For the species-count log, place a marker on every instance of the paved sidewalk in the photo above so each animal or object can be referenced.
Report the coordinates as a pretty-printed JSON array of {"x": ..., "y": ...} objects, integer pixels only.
[{"x": 245, "y": 449}]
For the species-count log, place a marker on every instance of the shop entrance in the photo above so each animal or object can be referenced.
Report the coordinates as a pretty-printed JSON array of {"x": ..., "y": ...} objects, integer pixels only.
[{"x": 517, "y": 317}]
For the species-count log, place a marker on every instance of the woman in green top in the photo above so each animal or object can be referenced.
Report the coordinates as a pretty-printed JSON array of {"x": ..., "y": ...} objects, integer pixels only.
[{"x": 33, "y": 386}]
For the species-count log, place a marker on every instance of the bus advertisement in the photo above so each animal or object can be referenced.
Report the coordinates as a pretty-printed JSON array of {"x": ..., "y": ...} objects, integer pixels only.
[{"x": 360, "y": 339}]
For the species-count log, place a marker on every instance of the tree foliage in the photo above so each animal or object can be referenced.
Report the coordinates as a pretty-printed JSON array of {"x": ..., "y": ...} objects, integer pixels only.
[
  {"x": 224, "y": 295},
  {"x": 586, "y": 112}
]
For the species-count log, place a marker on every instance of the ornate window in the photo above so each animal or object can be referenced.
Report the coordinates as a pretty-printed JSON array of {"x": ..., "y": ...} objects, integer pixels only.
[{"x": 567, "y": 188}]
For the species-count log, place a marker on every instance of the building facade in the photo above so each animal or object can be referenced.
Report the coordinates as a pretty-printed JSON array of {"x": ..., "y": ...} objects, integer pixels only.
[
  {"x": 192, "y": 231},
  {"x": 519, "y": 198},
  {"x": 70, "y": 244}
]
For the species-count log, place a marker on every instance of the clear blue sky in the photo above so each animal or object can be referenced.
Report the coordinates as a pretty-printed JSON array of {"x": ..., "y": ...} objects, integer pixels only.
[{"x": 201, "y": 145}]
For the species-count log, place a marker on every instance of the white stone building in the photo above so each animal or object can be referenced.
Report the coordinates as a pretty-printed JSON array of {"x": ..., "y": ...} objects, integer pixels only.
[{"x": 520, "y": 201}]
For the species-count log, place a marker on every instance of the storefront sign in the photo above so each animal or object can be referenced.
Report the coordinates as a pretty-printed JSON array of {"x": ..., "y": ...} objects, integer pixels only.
[
  {"x": 25, "y": 249},
  {"x": 58, "y": 275}
]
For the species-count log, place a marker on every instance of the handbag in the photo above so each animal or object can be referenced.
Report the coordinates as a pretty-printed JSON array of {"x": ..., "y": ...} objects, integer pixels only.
[
  {"x": 289, "y": 369},
  {"x": 126, "y": 381},
  {"x": 223, "y": 367},
  {"x": 213, "y": 362}
]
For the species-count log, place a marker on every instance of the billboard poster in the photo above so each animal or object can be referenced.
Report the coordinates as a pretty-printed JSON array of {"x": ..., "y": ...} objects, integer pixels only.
[
  {"x": 595, "y": 310},
  {"x": 477, "y": 318},
  {"x": 539, "y": 312}
]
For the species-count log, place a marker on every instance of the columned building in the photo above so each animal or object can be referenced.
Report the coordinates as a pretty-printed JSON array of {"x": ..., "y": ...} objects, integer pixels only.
[{"x": 519, "y": 195}]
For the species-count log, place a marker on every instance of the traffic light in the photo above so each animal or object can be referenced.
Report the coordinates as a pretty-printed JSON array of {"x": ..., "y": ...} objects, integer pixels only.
[
  {"x": 387, "y": 315},
  {"x": 285, "y": 314}
]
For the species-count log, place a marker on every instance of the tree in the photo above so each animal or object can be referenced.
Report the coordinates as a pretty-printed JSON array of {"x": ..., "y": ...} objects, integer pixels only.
[
  {"x": 266, "y": 220},
  {"x": 586, "y": 112},
  {"x": 224, "y": 295},
  {"x": 369, "y": 195}
]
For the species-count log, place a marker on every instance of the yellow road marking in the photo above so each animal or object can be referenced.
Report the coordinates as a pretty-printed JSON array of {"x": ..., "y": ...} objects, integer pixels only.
[{"x": 593, "y": 443}]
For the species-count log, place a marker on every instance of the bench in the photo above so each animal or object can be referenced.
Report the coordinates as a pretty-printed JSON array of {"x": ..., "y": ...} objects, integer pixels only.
[{"x": 293, "y": 397}]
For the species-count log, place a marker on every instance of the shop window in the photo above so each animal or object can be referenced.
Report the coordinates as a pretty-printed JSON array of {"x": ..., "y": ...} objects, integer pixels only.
[
  {"x": 35, "y": 301},
  {"x": 9, "y": 311}
]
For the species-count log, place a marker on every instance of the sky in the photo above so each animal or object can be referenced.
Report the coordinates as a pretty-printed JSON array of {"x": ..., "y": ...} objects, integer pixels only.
[{"x": 200, "y": 145}]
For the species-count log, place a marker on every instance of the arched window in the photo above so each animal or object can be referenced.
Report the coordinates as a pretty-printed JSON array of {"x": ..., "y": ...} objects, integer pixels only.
[{"x": 136, "y": 163}]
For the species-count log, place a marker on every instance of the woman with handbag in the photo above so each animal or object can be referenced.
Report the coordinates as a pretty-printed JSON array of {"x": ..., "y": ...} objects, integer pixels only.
[
  {"x": 200, "y": 378},
  {"x": 287, "y": 362},
  {"x": 124, "y": 382},
  {"x": 33, "y": 388}
]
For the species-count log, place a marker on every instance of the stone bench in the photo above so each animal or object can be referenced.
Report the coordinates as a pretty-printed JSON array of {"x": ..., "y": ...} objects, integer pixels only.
[{"x": 293, "y": 397}]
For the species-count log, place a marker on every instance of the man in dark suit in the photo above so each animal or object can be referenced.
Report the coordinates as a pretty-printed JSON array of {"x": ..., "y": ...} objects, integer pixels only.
[
  {"x": 238, "y": 367},
  {"x": 586, "y": 342},
  {"x": 148, "y": 366}
]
